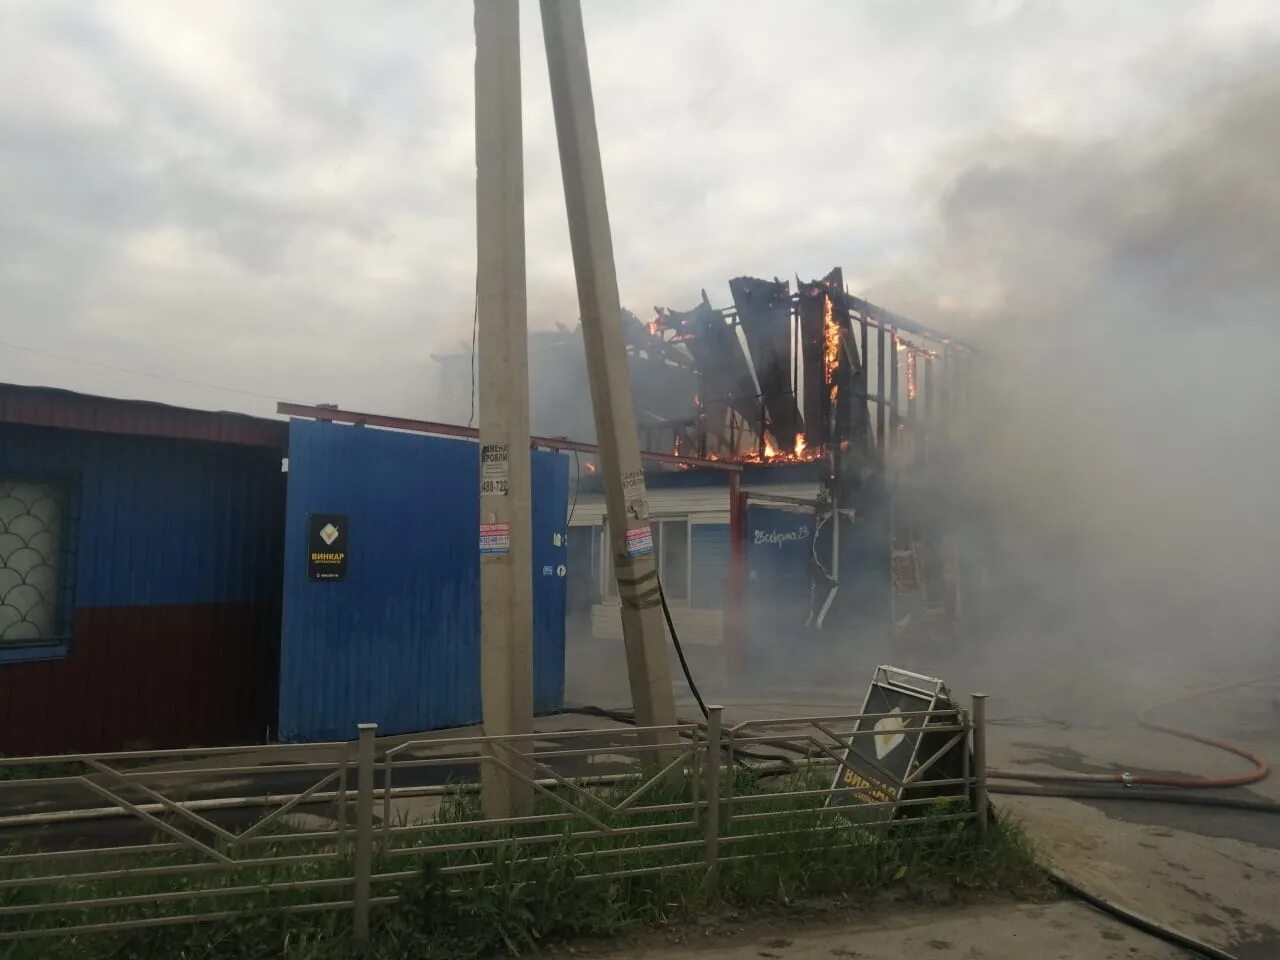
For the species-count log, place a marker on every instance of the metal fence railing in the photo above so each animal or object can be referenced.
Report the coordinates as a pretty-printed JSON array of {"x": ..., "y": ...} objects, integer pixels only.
[{"x": 99, "y": 843}]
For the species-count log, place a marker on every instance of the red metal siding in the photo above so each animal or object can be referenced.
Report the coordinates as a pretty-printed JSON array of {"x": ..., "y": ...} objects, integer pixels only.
[
  {"x": 164, "y": 676},
  {"x": 47, "y": 407}
]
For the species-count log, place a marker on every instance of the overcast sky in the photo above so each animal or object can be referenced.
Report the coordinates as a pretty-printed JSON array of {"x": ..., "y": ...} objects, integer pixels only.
[{"x": 278, "y": 198}]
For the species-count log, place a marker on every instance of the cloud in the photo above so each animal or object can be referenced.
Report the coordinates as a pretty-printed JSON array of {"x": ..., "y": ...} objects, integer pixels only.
[{"x": 280, "y": 197}]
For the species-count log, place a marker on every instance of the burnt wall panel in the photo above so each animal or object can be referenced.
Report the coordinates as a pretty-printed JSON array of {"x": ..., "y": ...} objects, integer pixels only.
[
  {"x": 724, "y": 380},
  {"x": 764, "y": 311}
]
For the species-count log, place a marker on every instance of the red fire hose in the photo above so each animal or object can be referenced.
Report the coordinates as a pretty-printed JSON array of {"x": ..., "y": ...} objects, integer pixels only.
[{"x": 1261, "y": 769}]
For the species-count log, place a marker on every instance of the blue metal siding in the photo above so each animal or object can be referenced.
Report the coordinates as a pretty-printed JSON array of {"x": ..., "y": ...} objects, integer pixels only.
[
  {"x": 710, "y": 564},
  {"x": 174, "y": 556},
  {"x": 160, "y": 521},
  {"x": 397, "y": 642},
  {"x": 779, "y": 564}
]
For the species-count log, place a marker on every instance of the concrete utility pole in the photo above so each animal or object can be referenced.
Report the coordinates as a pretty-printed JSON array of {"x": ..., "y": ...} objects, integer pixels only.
[
  {"x": 630, "y": 538},
  {"x": 506, "y": 540}
]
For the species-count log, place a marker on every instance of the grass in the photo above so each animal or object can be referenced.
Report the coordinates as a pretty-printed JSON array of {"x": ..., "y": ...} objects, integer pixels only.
[
  {"x": 34, "y": 771},
  {"x": 533, "y": 884}
]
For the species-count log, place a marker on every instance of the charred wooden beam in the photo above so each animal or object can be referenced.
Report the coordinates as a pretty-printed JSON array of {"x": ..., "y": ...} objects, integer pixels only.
[
  {"x": 813, "y": 305},
  {"x": 724, "y": 381},
  {"x": 764, "y": 313}
]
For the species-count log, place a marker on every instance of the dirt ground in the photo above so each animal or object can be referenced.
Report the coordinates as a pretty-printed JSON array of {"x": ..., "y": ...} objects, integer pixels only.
[{"x": 1055, "y": 931}]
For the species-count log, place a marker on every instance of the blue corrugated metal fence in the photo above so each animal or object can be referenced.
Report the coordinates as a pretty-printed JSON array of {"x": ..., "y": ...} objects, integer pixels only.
[{"x": 397, "y": 642}]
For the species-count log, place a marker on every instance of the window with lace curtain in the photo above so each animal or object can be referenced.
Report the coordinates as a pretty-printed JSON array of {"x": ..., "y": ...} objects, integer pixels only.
[{"x": 33, "y": 523}]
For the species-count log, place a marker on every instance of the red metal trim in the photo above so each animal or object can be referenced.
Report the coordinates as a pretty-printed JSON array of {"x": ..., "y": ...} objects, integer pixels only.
[
  {"x": 67, "y": 410},
  {"x": 174, "y": 675},
  {"x": 454, "y": 430}
]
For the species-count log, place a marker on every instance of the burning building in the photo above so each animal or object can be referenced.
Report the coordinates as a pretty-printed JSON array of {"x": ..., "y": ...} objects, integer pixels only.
[
  {"x": 794, "y": 427},
  {"x": 828, "y": 407}
]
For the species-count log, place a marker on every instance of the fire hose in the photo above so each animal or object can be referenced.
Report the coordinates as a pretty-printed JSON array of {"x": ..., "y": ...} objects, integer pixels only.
[{"x": 1261, "y": 769}]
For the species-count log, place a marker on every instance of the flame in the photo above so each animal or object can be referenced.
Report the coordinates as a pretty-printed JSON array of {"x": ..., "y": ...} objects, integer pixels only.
[
  {"x": 653, "y": 327},
  {"x": 831, "y": 341},
  {"x": 800, "y": 454},
  {"x": 911, "y": 376},
  {"x": 591, "y": 468}
]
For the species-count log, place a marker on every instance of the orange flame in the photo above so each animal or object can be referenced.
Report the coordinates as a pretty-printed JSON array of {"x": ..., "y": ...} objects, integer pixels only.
[
  {"x": 800, "y": 454},
  {"x": 591, "y": 468},
  {"x": 911, "y": 376},
  {"x": 831, "y": 341}
]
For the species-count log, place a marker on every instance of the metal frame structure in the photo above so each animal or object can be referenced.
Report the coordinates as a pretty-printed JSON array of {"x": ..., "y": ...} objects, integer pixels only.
[
  {"x": 555, "y": 444},
  {"x": 938, "y": 699},
  {"x": 366, "y": 848},
  {"x": 895, "y": 333}
]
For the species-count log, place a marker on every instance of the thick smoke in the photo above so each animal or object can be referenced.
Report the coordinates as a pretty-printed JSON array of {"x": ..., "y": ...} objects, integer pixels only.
[{"x": 1127, "y": 293}]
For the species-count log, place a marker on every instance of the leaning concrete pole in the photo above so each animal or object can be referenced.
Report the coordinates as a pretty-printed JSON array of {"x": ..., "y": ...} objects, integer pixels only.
[
  {"x": 506, "y": 541},
  {"x": 630, "y": 538}
]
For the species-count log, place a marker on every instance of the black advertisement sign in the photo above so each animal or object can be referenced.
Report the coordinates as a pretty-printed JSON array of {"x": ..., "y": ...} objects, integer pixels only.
[
  {"x": 327, "y": 546},
  {"x": 876, "y": 768}
]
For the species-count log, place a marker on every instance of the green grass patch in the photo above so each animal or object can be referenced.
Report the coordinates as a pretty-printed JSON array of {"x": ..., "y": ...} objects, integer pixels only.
[
  {"x": 35, "y": 771},
  {"x": 508, "y": 890}
]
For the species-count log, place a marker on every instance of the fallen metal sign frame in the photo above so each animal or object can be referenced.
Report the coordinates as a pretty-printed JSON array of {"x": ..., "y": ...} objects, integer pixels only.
[{"x": 876, "y": 772}]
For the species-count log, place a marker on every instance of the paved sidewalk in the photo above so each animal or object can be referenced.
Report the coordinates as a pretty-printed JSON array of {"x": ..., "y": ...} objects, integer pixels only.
[{"x": 1058, "y": 931}]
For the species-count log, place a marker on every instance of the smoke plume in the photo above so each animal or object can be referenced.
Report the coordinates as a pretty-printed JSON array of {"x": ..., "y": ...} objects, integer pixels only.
[{"x": 1126, "y": 293}]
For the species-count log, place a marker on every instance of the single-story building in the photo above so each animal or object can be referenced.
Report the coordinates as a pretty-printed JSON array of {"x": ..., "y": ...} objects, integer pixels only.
[{"x": 157, "y": 585}]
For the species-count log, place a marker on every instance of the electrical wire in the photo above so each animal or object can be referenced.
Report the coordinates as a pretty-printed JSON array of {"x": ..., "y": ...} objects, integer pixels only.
[
  {"x": 135, "y": 371},
  {"x": 774, "y": 765},
  {"x": 577, "y": 483},
  {"x": 675, "y": 641}
]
